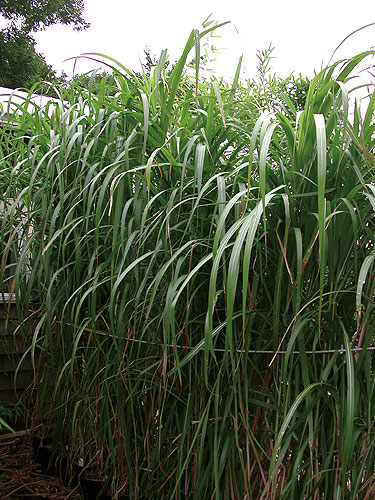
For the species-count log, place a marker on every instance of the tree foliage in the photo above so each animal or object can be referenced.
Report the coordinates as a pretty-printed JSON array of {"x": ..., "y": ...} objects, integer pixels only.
[
  {"x": 37, "y": 14},
  {"x": 20, "y": 64}
]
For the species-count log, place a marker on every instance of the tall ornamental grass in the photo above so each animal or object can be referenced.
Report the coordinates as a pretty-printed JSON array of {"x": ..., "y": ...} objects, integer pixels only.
[{"x": 201, "y": 278}]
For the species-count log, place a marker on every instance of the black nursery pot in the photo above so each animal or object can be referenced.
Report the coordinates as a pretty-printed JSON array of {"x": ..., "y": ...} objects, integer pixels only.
[
  {"x": 55, "y": 463},
  {"x": 38, "y": 442},
  {"x": 43, "y": 455},
  {"x": 93, "y": 489},
  {"x": 68, "y": 475}
]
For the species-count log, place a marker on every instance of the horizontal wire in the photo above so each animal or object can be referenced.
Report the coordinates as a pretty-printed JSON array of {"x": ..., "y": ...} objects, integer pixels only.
[
  {"x": 254, "y": 351},
  {"x": 240, "y": 351}
]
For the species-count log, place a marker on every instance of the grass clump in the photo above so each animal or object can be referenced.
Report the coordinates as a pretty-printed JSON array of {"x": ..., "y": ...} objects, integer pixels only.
[{"x": 199, "y": 258}]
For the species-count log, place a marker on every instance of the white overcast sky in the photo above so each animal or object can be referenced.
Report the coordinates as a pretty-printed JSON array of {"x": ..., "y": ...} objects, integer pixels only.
[{"x": 304, "y": 33}]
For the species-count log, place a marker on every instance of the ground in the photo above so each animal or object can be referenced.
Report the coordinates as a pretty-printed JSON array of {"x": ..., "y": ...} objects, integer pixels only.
[{"x": 21, "y": 478}]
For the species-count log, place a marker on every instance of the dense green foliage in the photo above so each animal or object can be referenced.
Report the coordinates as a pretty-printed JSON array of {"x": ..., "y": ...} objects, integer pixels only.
[{"x": 199, "y": 273}]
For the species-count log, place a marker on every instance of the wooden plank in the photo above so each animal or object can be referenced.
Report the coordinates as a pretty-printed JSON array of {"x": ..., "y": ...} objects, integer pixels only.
[
  {"x": 23, "y": 381},
  {"x": 9, "y": 363},
  {"x": 11, "y": 397}
]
